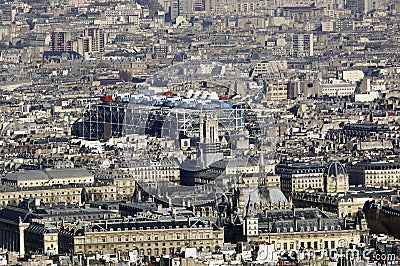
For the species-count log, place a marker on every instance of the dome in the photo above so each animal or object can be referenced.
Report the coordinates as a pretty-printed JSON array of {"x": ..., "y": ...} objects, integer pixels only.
[{"x": 335, "y": 168}]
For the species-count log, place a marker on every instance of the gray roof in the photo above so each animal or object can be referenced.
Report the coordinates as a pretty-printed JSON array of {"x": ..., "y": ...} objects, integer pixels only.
[
  {"x": 67, "y": 172},
  {"x": 306, "y": 219},
  {"x": 25, "y": 175},
  {"x": 14, "y": 214},
  {"x": 235, "y": 162},
  {"x": 335, "y": 168},
  {"x": 46, "y": 174},
  {"x": 264, "y": 196}
]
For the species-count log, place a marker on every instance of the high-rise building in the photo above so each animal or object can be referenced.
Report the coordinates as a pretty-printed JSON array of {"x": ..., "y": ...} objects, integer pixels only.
[
  {"x": 60, "y": 40},
  {"x": 362, "y": 7},
  {"x": 97, "y": 36},
  {"x": 303, "y": 45},
  {"x": 174, "y": 9}
]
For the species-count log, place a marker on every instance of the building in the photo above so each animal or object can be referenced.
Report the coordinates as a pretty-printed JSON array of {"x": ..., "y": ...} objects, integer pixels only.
[
  {"x": 302, "y": 13},
  {"x": 244, "y": 168},
  {"x": 330, "y": 4},
  {"x": 310, "y": 177},
  {"x": 336, "y": 179},
  {"x": 150, "y": 237},
  {"x": 7, "y": 14},
  {"x": 174, "y": 9},
  {"x": 48, "y": 177},
  {"x": 307, "y": 228},
  {"x": 383, "y": 217},
  {"x": 32, "y": 227},
  {"x": 365, "y": 130},
  {"x": 296, "y": 177},
  {"x": 363, "y": 7},
  {"x": 269, "y": 68},
  {"x": 148, "y": 171},
  {"x": 97, "y": 39},
  {"x": 276, "y": 91},
  {"x": 344, "y": 205},
  {"x": 13, "y": 222},
  {"x": 352, "y": 75},
  {"x": 146, "y": 114},
  {"x": 375, "y": 174},
  {"x": 302, "y": 45},
  {"x": 60, "y": 41},
  {"x": 58, "y": 194},
  {"x": 337, "y": 88}
]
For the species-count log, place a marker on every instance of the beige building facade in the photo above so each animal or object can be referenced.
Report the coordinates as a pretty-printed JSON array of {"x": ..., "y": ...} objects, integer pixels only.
[{"x": 148, "y": 237}]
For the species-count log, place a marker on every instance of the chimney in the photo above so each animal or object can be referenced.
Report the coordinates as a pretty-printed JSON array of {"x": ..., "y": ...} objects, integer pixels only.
[{"x": 319, "y": 224}]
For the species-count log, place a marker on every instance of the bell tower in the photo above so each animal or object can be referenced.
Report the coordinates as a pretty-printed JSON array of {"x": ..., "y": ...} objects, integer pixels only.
[{"x": 208, "y": 129}]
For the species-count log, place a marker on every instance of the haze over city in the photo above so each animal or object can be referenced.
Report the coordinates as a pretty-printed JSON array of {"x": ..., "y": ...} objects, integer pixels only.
[{"x": 199, "y": 132}]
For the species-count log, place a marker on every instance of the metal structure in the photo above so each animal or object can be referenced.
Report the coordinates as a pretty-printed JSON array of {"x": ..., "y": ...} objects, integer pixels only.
[{"x": 116, "y": 119}]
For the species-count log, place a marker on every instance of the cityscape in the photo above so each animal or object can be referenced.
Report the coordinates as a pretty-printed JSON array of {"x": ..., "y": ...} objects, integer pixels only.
[{"x": 200, "y": 132}]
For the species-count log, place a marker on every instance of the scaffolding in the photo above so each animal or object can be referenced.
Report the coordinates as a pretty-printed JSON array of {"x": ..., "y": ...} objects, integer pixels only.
[{"x": 116, "y": 119}]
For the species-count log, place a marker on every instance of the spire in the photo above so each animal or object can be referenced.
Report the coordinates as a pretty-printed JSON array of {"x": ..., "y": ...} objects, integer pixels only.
[
  {"x": 261, "y": 169},
  {"x": 247, "y": 212}
]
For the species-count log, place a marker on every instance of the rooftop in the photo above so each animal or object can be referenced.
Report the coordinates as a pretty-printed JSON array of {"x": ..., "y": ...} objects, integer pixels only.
[{"x": 46, "y": 174}]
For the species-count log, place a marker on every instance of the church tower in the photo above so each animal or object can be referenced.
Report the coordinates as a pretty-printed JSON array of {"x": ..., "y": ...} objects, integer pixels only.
[
  {"x": 208, "y": 129},
  {"x": 209, "y": 149}
]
